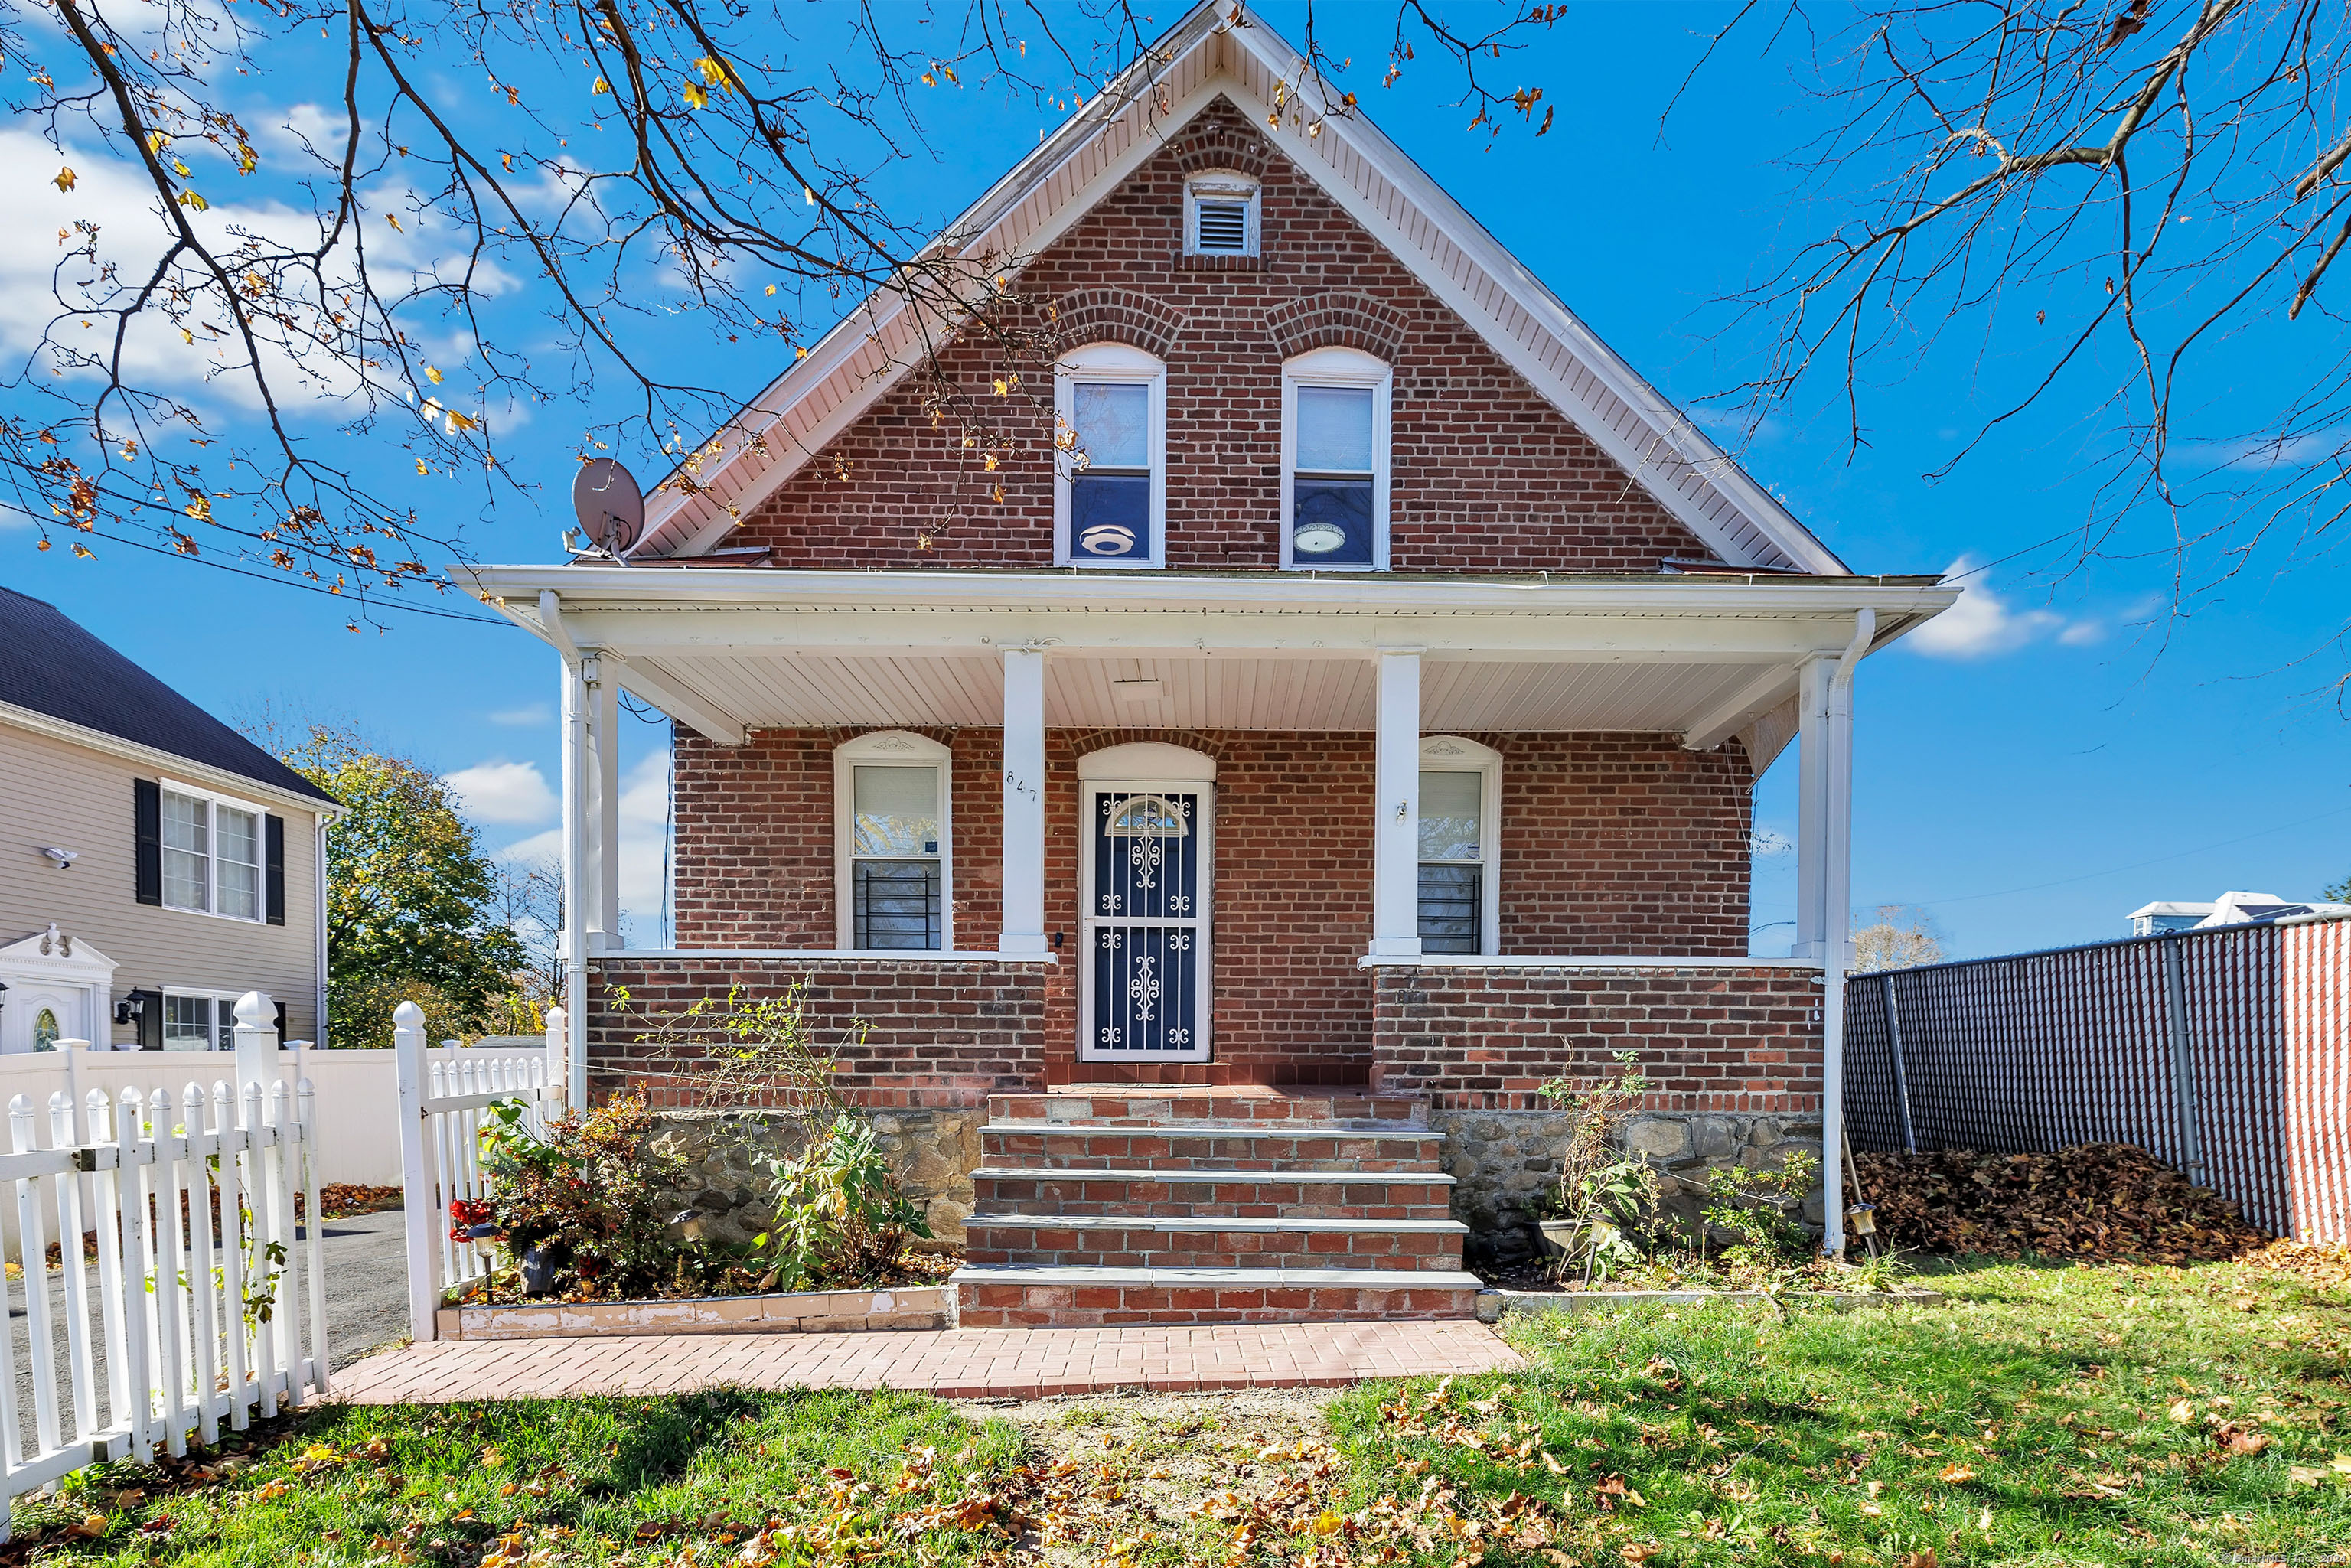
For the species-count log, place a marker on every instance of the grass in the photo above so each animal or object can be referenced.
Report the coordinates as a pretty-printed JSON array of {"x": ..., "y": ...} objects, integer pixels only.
[{"x": 2049, "y": 1414}]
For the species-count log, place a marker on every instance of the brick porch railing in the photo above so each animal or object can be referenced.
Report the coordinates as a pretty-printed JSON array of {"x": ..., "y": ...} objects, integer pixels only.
[
  {"x": 939, "y": 1030},
  {"x": 1712, "y": 1035}
]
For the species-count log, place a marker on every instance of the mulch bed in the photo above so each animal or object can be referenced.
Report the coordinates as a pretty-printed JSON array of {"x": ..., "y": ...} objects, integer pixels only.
[
  {"x": 2094, "y": 1201},
  {"x": 341, "y": 1199},
  {"x": 913, "y": 1269}
]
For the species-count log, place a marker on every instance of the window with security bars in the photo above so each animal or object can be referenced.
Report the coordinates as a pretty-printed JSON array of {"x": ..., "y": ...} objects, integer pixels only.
[
  {"x": 1221, "y": 219},
  {"x": 1452, "y": 868},
  {"x": 894, "y": 858}
]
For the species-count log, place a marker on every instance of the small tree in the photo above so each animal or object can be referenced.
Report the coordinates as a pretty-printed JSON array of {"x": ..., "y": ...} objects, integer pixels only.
[
  {"x": 1902, "y": 936},
  {"x": 410, "y": 894}
]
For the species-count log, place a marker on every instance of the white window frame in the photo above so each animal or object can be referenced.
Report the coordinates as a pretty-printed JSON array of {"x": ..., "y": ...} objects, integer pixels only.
[
  {"x": 1337, "y": 368},
  {"x": 213, "y": 800},
  {"x": 888, "y": 749},
  {"x": 224, "y": 1027},
  {"x": 1223, "y": 185},
  {"x": 1118, "y": 362},
  {"x": 1459, "y": 754}
]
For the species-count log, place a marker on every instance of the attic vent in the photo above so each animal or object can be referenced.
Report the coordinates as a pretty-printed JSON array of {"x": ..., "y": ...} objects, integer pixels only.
[
  {"x": 1224, "y": 227},
  {"x": 1221, "y": 217}
]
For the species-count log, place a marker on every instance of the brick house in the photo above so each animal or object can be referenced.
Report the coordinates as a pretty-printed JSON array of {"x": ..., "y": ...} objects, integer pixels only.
[{"x": 1353, "y": 718}]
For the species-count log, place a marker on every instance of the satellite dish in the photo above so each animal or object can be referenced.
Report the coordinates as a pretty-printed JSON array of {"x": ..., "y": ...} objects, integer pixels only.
[{"x": 611, "y": 508}]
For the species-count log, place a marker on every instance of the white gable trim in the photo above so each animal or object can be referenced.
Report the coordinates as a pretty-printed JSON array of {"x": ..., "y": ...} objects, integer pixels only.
[{"x": 1374, "y": 182}]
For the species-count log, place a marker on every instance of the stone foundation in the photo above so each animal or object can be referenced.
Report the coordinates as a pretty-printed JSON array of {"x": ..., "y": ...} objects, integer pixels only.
[
  {"x": 934, "y": 1151},
  {"x": 1504, "y": 1163}
]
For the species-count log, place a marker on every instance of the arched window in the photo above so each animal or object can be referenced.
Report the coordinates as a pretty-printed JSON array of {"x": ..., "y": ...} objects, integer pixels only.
[
  {"x": 46, "y": 1031},
  {"x": 1335, "y": 406},
  {"x": 1461, "y": 844},
  {"x": 1110, "y": 487},
  {"x": 893, "y": 860}
]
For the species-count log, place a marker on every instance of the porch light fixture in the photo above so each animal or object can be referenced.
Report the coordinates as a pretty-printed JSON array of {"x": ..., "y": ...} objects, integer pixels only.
[{"x": 1143, "y": 691}]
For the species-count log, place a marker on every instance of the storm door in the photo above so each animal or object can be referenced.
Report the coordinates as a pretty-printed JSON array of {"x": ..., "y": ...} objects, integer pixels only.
[{"x": 1144, "y": 980}]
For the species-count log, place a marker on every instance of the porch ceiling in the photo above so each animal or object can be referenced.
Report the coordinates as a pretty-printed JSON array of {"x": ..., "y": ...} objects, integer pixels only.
[{"x": 785, "y": 691}]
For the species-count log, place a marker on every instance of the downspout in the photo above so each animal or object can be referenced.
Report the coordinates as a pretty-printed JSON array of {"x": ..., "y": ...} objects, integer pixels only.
[
  {"x": 575, "y": 847},
  {"x": 319, "y": 909},
  {"x": 1837, "y": 927}
]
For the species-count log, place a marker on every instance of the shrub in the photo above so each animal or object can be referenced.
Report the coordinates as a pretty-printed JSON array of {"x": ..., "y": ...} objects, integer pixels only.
[
  {"x": 1600, "y": 1189},
  {"x": 1764, "y": 1207},
  {"x": 841, "y": 1216},
  {"x": 591, "y": 1191}
]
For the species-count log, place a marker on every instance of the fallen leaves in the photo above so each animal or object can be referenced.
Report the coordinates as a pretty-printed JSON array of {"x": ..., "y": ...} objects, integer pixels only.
[{"x": 2090, "y": 1201}]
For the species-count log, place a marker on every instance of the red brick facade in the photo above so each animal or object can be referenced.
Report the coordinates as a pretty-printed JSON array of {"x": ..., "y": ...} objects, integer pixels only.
[
  {"x": 905, "y": 1034},
  {"x": 1610, "y": 843},
  {"x": 1487, "y": 476},
  {"x": 1709, "y": 1038}
]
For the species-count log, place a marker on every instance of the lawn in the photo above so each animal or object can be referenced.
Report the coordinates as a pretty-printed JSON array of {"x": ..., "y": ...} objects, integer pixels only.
[{"x": 2052, "y": 1414}]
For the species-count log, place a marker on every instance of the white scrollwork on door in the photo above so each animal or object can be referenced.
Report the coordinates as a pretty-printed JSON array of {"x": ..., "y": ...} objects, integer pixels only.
[
  {"x": 1146, "y": 857},
  {"x": 1143, "y": 988}
]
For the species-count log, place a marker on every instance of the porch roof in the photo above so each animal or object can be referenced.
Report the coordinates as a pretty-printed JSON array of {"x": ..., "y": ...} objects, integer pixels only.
[{"x": 725, "y": 650}]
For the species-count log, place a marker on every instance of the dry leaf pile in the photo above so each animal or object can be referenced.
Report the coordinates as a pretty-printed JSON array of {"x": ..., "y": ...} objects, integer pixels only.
[{"x": 2092, "y": 1201}]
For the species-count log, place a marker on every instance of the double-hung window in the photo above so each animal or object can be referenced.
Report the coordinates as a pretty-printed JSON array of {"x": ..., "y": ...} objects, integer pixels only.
[
  {"x": 892, "y": 860},
  {"x": 1461, "y": 897},
  {"x": 193, "y": 1021},
  {"x": 212, "y": 854},
  {"x": 1334, "y": 460},
  {"x": 1110, "y": 403}
]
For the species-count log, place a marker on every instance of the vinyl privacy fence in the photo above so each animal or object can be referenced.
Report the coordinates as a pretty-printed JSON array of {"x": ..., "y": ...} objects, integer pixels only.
[
  {"x": 2226, "y": 1052},
  {"x": 203, "y": 1306},
  {"x": 444, "y": 1096}
]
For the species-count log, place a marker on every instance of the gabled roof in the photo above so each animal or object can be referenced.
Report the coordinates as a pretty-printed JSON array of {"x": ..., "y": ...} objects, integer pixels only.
[
  {"x": 49, "y": 665},
  {"x": 1204, "y": 55}
]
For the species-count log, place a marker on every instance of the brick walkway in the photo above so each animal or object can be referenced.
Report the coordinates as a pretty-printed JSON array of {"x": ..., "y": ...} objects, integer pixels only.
[{"x": 968, "y": 1364}]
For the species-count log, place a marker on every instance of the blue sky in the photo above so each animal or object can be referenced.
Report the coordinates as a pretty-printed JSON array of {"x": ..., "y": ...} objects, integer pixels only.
[{"x": 2066, "y": 754}]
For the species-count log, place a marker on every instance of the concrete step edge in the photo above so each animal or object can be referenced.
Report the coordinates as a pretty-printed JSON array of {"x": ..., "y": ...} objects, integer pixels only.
[
  {"x": 1203, "y": 1178},
  {"x": 1270, "y": 1128},
  {"x": 1209, "y": 1223},
  {"x": 1176, "y": 1279}
]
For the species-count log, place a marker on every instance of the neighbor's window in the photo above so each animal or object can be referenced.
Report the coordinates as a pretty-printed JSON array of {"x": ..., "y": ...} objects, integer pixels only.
[
  {"x": 1220, "y": 216},
  {"x": 212, "y": 855},
  {"x": 193, "y": 1022},
  {"x": 1334, "y": 446},
  {"x": 1110, "y": 400},
  {"x": 46, "y": 1032},
  {"x": 894, "y": 843},
  {"x": 1459, "y": 795}
]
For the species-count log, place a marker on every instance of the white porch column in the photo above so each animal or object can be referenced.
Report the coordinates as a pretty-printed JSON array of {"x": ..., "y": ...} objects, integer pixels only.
[
  {"x": 1812, "y": 807},
  {"x": 577, "y": 880},
  {"x": 1837, "y": 897},
  {"x": 1023, "y": 928},
  {"x": 1395, "y": 811},
  {"x": 604, "y": 838}
]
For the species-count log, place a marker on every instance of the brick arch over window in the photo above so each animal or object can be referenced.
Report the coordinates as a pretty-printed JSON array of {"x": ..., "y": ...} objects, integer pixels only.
[
  {"x": 1088, "y": 741},
  {"x": 1116, "y": 316},
  {"x": 1225, "y": 140},
  {"x": 1336, "y": 319}
]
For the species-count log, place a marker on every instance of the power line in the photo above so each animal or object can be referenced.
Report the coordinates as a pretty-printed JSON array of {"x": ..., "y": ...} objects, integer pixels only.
[{"x": 367, "y": 604}]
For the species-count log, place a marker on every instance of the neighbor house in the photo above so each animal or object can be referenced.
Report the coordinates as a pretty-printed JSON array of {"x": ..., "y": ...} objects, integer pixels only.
[
  {"x": 1352, "y": 716},
  {"x": 158, "y": 865}
]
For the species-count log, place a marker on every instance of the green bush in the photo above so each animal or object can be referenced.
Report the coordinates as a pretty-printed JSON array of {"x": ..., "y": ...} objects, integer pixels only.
[{"x": 841, "y": 1216}]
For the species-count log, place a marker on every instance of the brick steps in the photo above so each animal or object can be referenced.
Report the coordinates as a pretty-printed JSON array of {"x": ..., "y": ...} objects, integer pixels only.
[
  {"x": 1097, "y": 1205},
  {"x": 1046, "y": 1191},
  {"x": 991, "y": 1296},
  {"x": 1288, "y": 1144},
  {"x": 1213, "y": 1242}
]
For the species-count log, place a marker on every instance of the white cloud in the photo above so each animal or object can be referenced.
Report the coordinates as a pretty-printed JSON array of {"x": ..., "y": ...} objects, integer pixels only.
[
  {"x": 511, "y": 793},
  {"x": 1983, "y": 623},
  {"x": 525, "y": 716},
  {"x": 645, "y": 846}
]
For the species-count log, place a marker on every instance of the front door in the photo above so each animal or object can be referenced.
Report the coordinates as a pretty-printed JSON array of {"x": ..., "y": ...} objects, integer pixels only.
[{"x": 1143, "y": 984}]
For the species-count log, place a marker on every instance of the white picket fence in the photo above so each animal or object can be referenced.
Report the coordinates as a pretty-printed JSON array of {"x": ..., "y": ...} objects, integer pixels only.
[
  {"x": 444, "y": 1096},
  {"x": 185, "y": 1329}
]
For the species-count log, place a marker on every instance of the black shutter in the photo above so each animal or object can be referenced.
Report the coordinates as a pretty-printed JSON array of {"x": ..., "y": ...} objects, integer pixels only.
[
  {"x": 147, "y": 815},
  {"x": 274, "y": 879},
  {"x": 150, "y": 1020},
  {"x": 281, "y": 1012}
]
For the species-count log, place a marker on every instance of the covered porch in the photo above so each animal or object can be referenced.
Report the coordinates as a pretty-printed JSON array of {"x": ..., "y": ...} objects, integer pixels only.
[{"x": 1180, "y": 827}]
